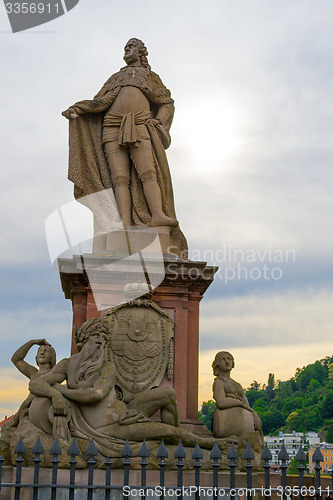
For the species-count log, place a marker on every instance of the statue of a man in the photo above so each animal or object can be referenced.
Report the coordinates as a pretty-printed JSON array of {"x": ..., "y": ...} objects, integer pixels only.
[{"x": 118, "y": 141}]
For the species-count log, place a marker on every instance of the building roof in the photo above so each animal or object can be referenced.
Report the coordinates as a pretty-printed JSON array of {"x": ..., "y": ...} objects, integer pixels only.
[{"x": 6, "y": 419}]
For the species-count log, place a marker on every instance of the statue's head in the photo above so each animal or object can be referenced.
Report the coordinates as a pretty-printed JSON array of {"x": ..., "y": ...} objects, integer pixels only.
[
  {"x": 46, "y": 355},
  {"x": 95, "y": 330},
  {"x": 224, "y": 362},
  {"x": 136, "y": 51}
]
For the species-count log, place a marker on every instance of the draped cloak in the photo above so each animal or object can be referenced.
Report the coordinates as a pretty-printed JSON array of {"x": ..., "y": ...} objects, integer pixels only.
[{"x": 88, "y": 167}]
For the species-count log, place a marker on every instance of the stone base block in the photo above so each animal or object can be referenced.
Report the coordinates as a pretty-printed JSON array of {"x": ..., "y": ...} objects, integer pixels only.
[{"x": 233, "y": 421}]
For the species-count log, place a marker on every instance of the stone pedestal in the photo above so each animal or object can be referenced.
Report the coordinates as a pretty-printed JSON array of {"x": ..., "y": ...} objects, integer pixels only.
[{"x": 94, "y": 283}]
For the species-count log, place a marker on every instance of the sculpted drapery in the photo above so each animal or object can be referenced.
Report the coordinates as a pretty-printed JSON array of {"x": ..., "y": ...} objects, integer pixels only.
[{"x": 88, "y": 166}]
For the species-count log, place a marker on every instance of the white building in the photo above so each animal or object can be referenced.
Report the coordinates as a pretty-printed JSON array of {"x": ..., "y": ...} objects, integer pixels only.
[{"x": 292, "y": 442}]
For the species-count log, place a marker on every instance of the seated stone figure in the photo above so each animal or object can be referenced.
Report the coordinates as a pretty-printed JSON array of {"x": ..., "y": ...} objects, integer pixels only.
[
  {"x": 87, "y": 405},
  {"x": 45, "y": 360},
  {"x": 233, "y": 415}
]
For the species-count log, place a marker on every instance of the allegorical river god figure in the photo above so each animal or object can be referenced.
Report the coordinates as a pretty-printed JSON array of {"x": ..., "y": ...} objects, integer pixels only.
[
  {"x": 87, "y": 404},
  {"x": 233, "y": 415},
  {"x": 117, "y": 143}
]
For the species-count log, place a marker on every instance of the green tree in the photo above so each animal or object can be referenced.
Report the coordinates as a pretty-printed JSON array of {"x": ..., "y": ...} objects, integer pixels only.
[
  {"x": 292, "y": 469},
  {"x": 271, "y": 421},
  {"x": 255, "y": 385},
  {"x": 327, "y": 406},
  {"x": 330, "y": 371},
  {"x": 329, "y": 434},
  {"x": 205, "y": 414},
  {"x": 270, "y": 387}
]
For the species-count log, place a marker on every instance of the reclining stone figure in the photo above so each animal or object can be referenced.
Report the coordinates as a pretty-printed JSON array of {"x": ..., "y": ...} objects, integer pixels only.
[{"x": 87, "y": 405}]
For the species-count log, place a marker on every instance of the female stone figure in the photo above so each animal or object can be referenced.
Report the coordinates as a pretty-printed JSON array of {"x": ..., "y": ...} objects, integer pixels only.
[{"x": 233, "y": 415}]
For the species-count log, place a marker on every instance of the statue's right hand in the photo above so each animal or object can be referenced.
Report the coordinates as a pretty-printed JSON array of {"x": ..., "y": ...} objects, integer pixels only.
[
  {"x": 70, "y": 114},
  {"x": 41, "y": 342},
  {"x": 59, "y": 405}
]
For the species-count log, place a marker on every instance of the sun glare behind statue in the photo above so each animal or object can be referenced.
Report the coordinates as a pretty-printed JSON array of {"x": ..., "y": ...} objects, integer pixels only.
[{"x": 213, "y": 132}]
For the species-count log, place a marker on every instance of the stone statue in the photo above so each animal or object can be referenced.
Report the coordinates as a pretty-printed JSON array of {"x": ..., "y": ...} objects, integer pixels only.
[
  {"x": 45, "y": 359},
  {"x": 233, "y": 415},
  {"x": 118, "y": 142},
  {"x": 87, "y": 405}
]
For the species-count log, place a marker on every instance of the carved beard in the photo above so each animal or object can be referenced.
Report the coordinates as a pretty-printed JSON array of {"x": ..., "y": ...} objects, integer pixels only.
[{"x": 90, "y": 361}]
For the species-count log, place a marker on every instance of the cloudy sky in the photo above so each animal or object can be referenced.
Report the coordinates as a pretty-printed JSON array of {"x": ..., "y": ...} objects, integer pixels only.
[{"x": 251, "y": 161}]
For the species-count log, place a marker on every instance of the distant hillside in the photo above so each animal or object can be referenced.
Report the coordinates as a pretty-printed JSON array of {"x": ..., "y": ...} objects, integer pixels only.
[{"x": 302, "y": 403}]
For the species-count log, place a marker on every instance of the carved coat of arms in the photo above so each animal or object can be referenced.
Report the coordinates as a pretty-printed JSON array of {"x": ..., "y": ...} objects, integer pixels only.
[{"x": 140, "y": 345}]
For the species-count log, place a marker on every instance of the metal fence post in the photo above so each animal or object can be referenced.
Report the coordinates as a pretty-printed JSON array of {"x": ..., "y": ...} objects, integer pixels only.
[
  {"x": 126, "y": 453},
  {"x": 267, "y": 456},
  {"x": 55, "y": 451},
  {"x": 301, "y": 458},
  {"x": 37, "y": 450},
  {"x": 19, "y": 449},
  {"x": 317, "y": 457},
  {"x": 108, "y": 463},
  {"x": 162, "y": 454},
  {"x": 248, "y": 456},
  {"x": 1, "y": 463},
  {"x": 180, "y": 454},
  {"x": 144, "y": 454},
  {"x": 215, "y": 455},
  {"x": 73, "y": 451},
  {"x": 91, "y": 453},
  {"x": 232, "y": 455},
  {"x": 284, "y": 457},
  {"x": 197, "y": 455}
]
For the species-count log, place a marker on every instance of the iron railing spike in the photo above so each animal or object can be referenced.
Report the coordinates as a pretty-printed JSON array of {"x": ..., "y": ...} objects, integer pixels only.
[
  {"x": 20, "y": 447},
  {"x": 127, "y": 450},
  {"x": 248, "y": 453},
  {"x": 143, "y": 451},
  {"x": 266, "y": 454},
  {"x": 38, "y": 447},
  {"x": 92, "y": 450},
  {"x": 180, "y": 452},
  {"x": 162, "y": 452},
  {"x": 232, "y": 453},
  {"x": 55, "y": 448},
  {"x": 300, "y": 455},
  {"x": 197, "y": 453},
  {"x": 73, "y": 449},
  {"x": 283, "y": 454},
  {"x": 216, "y": 452},
  {"x": 317, "y": 456}
]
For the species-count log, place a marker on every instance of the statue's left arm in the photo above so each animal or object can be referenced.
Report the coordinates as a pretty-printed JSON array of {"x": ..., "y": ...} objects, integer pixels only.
[
  {"x": 91, "y": 395},
  {"x": 161, "y": 96}
]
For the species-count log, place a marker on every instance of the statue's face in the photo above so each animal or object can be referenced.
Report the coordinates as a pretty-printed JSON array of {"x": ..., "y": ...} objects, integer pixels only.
[
  {"x": 132, "y": 53},
  {"x": 97, "y": 338},
  {"x": 223, "y": 362},
  {"x": 44, "y": 355}
]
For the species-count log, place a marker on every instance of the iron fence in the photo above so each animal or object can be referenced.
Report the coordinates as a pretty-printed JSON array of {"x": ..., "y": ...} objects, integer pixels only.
[{"x": 20, "y": 489}]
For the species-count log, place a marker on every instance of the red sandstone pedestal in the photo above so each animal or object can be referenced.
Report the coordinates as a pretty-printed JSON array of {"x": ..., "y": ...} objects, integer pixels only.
[{"x": 95, "y": 283}]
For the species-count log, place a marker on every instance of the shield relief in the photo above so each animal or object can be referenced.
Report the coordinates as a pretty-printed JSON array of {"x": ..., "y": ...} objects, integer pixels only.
[{"x": 140, "y": 345}]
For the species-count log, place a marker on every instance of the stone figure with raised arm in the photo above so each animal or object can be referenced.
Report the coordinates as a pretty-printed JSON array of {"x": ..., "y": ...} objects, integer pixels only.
[
  {"x": 117, "y": 144},
  {"x": 45, "y": 359},
  {"x": 88, "y": 400},
  {"x": 233, "y": 414}
]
